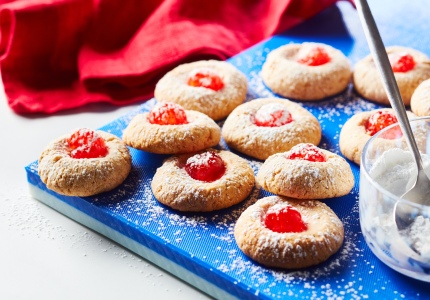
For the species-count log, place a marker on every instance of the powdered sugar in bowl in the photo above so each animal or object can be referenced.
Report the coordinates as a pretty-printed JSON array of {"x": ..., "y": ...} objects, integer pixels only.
[{"x": 387, "y": 170}]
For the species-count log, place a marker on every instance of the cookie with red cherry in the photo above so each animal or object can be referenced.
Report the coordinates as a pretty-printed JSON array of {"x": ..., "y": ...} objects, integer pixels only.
[
  {"x": 410, "y": 67},
  {"x": 265, "y": 126},
  {"x": 84, "y": 163},
  {"x": 308, "y": 71},
  {"x": 288, "y": 233},
  {"x": 306, "y": 172},
  {"x": 212, "y": 87},
  {"x": 362, "y": 126},
  {"x": 204, "y": 181},
  {"x": 420, "y": 101},
  {"x": 169, "y": 129}
]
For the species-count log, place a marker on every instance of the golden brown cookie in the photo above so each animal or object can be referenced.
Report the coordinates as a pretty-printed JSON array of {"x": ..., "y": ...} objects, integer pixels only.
[
  {"x": 355, "y": 132},
  {"x": 420, "y": 101},
  {"x": 84, "y": 176},
  {"x": 368, "y": 84},
  {"x": 173, "y": 185},
  {"x": 306, "y": 172},
  {"x": 241, "y": 132},
  {"x": 322, "y": 234},
  {"x": 226, "y": 87},
  {"x": 198, "y": 133},
  {"x": 290, "y": 72}
]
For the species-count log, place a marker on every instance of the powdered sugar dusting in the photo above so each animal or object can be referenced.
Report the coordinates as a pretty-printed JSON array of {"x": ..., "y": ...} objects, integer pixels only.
[
  {"x": 204, "y": 71},
  {"x": 215, "y": 230},
  {"x": 134, "y": 203},
  {"x": 420, "y": 235},
  {"x": 207, "y": 239},
  {"x": 199, "y": 159},
  {"x": 272, "y": 114}
]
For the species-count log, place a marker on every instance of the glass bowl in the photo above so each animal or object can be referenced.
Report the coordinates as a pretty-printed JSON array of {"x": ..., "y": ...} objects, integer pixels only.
[{"x": 387, "y": 170}]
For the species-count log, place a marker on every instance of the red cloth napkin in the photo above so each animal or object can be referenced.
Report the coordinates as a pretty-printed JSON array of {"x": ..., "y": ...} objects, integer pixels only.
[{"x": 62, "y": 54}]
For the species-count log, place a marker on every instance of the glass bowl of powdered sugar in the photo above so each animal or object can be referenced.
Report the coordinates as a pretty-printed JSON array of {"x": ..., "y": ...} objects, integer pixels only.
[{"x": 387, "y": 171}]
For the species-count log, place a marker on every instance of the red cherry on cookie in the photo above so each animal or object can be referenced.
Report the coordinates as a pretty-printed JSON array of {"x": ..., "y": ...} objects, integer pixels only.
[
  {"x": 167, "y": 113},
  {"x": 306, "y": 152},
  {"x": 207, "y": 79},
  {"x": 86, "y": 143},
  {"x": 272, "y": 115},
  {"x": 206, "y": 166},
  {"x": 381, "y": 119},
  {"x": 315, "y": 56},
  {"x": 285, "y": 220},
  {"x": 401, "y": 62}
]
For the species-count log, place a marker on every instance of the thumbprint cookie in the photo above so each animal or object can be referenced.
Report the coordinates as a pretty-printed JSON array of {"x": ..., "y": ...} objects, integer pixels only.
[
  {"x": 265, "y": 126},
  {"x": 308, "y": 71},
  {"x": 84, "y": 163},
  {"x": 410, "y": 67},
  {"x": 204, "y": 181},
  {"x": 361, "y": 127},
  {"x": 212, "y": 87},
  {"x": 288, "y": 233},
  {"x": 306, "y": 172},
  {"x": 169, "y": 129},
  {"x": 420, "y": 101}
]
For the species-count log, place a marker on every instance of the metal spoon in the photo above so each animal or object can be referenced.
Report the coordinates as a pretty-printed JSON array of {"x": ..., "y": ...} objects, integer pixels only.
[{"x": 420, "y": 191}]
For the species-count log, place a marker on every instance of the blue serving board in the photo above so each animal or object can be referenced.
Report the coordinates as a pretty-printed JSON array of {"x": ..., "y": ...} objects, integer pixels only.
[{"x": 200, "y": 247}]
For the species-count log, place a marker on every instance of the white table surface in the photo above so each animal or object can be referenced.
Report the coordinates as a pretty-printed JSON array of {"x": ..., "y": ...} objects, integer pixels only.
[{"x": 45, "y": 255}]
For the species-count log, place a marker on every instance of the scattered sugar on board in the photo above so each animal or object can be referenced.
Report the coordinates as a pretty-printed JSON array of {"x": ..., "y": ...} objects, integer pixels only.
[
  {"x": 177, "y": 228},
  {"x": 142, "y": 211},
  {"x": 256, "y": 85}
]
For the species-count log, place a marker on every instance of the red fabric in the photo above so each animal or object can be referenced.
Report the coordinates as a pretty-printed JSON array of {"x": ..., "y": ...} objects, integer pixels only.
[{"x": 62, "y": 54}]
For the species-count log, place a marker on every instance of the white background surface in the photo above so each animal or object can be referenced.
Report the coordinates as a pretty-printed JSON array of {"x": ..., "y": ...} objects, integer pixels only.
[{"x": 45, "y": 255}]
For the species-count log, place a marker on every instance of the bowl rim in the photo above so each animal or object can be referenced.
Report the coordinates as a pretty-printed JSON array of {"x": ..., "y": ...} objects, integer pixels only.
[{"x": 364, "y": 171}]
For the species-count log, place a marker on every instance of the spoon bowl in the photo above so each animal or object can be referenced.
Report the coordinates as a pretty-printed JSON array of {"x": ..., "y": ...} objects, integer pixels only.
[{"x": 420, "y": 191}]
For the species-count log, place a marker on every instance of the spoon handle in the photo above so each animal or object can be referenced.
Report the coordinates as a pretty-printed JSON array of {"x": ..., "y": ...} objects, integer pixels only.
[{"x": 384, "y": 67}]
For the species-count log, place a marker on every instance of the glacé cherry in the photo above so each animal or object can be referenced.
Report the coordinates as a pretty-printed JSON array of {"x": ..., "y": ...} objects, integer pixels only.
[
  {"x": 381, "y": 119},
  {"x": 287, "y": 219},
  {"x": 306, "y": 152},
  {"x": 207, "y": 166},
  {"x": 207, "y": 79},
  {"x": 272, "y": 115},
  {"x": 86, "y": 143},
  {"x": 315, "y": 56},
  {"x": 401, "y": 62},
  {"x": 167, "y": 113}
]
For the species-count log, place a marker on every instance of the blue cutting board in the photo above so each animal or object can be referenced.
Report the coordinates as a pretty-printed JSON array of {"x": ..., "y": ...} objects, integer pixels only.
[{"x": 200, "y": 247}]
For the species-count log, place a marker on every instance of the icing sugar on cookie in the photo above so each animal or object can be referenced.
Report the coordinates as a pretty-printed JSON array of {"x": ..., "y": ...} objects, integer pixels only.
[
  {"x": 306, "y": 172},
  {"x": 420, "y": 101},
  {"x": 410, "y": 67},
  {"x": 308, "y": 71},
  {"x": 169, "y": 129},
  {"x": 272, "y": 115},
  {"x": 167, "y": 114},
  {"x": 288, "y": 233},
  {"x": 84, "y": 163},
  {"x": 361, "y": 127},
  {"x": 313, "y": 56},
  {"x": 266, "y": 126},
  {"x": 205, "y": 181},
  {"x": 211, "y": 87},
  {"x": 206, "y": 78},
  {"x": 207, "y": 166}
]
